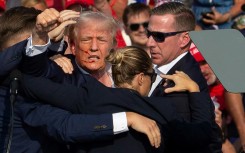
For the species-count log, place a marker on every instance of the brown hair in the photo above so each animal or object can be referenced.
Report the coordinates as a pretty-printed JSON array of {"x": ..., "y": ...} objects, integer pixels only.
[
  {"x": 184, "y": 18},
  {"x": 134, "y": 9},
  {"x": 16, "y": 21},
  {"x": 127, "y": 62}
]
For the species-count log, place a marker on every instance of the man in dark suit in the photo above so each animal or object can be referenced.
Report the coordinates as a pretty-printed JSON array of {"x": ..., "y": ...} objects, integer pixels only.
[{"x": 169, "y": 43}]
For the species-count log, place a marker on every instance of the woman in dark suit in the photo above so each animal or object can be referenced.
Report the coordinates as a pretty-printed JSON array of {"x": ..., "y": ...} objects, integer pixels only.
[{"x": 133, "y": 75}]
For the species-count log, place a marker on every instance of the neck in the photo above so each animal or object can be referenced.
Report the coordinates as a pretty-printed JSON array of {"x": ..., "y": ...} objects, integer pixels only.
[{"x": 103, "y": 77}]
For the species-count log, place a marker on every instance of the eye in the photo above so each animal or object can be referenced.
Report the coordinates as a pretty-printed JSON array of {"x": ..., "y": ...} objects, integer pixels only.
[
  {"x": 86, "y": 40},
  {"x": 102, "y": 39}
]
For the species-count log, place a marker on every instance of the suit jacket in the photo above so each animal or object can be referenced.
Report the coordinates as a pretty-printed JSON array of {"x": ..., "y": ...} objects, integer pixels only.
[
  {"x": 94, "y": 97},
  {"x": 27, "y": 139},
  {"x": 181, "y": 101},
  {"x": 10, "y": 58},
  {"x": 24, "y": 139}
]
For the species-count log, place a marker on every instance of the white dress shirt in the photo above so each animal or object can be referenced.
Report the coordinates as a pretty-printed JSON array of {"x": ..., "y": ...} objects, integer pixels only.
[{"x": 164, "y": 70}]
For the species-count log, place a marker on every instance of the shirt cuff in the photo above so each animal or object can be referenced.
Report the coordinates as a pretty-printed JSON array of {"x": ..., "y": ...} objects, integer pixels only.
[
  {"x": 119, "y": 122},
  {"x": 37, "y": 49}
]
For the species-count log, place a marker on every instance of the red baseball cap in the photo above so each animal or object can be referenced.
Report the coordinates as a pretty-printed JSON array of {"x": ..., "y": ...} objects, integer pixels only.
[
  {"x": 82, "y": 2},
  {"x": 2, "y": 4}
]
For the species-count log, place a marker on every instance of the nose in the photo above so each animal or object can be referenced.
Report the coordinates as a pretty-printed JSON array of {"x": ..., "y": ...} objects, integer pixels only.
[
  {"x": 142, "y": 28},
  {"x": 203, "y": 69},
  {"x": 150, "y": 42},
  {"x": 94, "y": 46}
]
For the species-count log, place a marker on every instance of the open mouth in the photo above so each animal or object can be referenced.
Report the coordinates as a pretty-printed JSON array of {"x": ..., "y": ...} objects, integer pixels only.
[{"x": 93, "y": 58}]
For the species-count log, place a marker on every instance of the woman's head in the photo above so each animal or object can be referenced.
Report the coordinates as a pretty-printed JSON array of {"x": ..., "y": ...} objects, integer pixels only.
[{"x": 132, "y": 68}]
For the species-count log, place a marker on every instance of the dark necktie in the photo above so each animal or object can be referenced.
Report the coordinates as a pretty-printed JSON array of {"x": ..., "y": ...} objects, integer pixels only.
[{"x": 159, "y": 90}]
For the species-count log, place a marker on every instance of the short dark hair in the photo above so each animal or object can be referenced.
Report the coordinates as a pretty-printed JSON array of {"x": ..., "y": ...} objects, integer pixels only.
[
  {"x": 15, "y": 21},
  {"x": 184, "y": 17},
  {"x": 134, "y": 9}
]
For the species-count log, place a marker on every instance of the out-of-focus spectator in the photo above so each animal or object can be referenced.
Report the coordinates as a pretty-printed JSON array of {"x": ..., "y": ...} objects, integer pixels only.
[
  {"x": 216, "y": 14},
  {"x": 2, "y": 6},
  {"x": 12, "y": 3},
  {"x": 57, "y": 4},
  {"x": 118, "y": 6},
  {"x": 216, "y": 91},
  {"x": 136, "y": 18},
  {"x": 79, "y": 5},
  {"x": 37, "y": 4}
]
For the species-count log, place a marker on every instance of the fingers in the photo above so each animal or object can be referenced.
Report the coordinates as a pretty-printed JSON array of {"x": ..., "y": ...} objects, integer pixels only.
[
  {"x": 169, "y": 90},
  {"x": 154, "y": 135},
  {"x": 57, "y": 33},
  {"x": 64, "y": 63},
  {"x": 68, "y": 15},
  {"x": 182, "y": 82},
  {"x": 47, "y": 19},
  {"x": 218, "y": 117},
  {"x": 145, "y": 125}
]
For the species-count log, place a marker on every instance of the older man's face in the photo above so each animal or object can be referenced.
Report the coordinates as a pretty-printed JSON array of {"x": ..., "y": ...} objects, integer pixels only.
[{"x": 92, "y": 45}]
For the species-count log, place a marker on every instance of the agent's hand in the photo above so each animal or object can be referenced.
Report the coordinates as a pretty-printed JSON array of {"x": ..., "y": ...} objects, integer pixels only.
[
  {"x": 145, "y": 125},
  {"x": 63, "y": 62},
  {"x": 218, "y": 117},
  {"x": 182, "y": 82}
]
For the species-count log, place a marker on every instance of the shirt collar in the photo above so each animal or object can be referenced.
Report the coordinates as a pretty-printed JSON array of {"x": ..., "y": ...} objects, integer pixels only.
[{"x": 165, "y": 68}]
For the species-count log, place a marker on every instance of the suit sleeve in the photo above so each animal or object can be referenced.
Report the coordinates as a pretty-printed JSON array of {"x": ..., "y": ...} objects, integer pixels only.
[
  {"x": 64, "y": 96},
  {"x": 11, "y": 57},
  {"x": 197, "y": 132},
  {"x": 64, "y": 126}
]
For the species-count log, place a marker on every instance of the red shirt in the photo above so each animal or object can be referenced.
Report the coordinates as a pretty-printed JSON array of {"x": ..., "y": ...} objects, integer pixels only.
[{"x": 217, "y": 92}]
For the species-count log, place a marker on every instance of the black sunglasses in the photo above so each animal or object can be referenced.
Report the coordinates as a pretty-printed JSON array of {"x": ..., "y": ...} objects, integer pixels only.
[
  {"x": 136, "y": 26},
  {"x": 153, "y": 76},
  {"x": 160, "y": 36}
]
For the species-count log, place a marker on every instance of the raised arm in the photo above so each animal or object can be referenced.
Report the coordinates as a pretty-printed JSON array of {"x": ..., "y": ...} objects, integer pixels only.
[{"x": 50, "y": 25}]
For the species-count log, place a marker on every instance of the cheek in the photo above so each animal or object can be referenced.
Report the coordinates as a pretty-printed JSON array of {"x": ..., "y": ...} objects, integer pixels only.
[{"x": 84, "y": 47}]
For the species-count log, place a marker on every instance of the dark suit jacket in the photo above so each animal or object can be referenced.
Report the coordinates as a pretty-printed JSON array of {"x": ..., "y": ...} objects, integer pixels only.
[
  {"x": 10, "y": 58},
  {"x": 181, "y": 100},
  {"x": 93, "y": 97},
  {"x": 27, "y": 139}
]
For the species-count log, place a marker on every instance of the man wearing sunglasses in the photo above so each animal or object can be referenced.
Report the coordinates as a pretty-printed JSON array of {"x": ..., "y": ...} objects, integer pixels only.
[
  {"x": 136, "y": 18},
  {"x": 169, "y": 43}
]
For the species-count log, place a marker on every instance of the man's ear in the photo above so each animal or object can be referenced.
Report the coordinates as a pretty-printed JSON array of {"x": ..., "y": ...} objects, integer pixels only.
[{"x": 184, "y": 39}]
